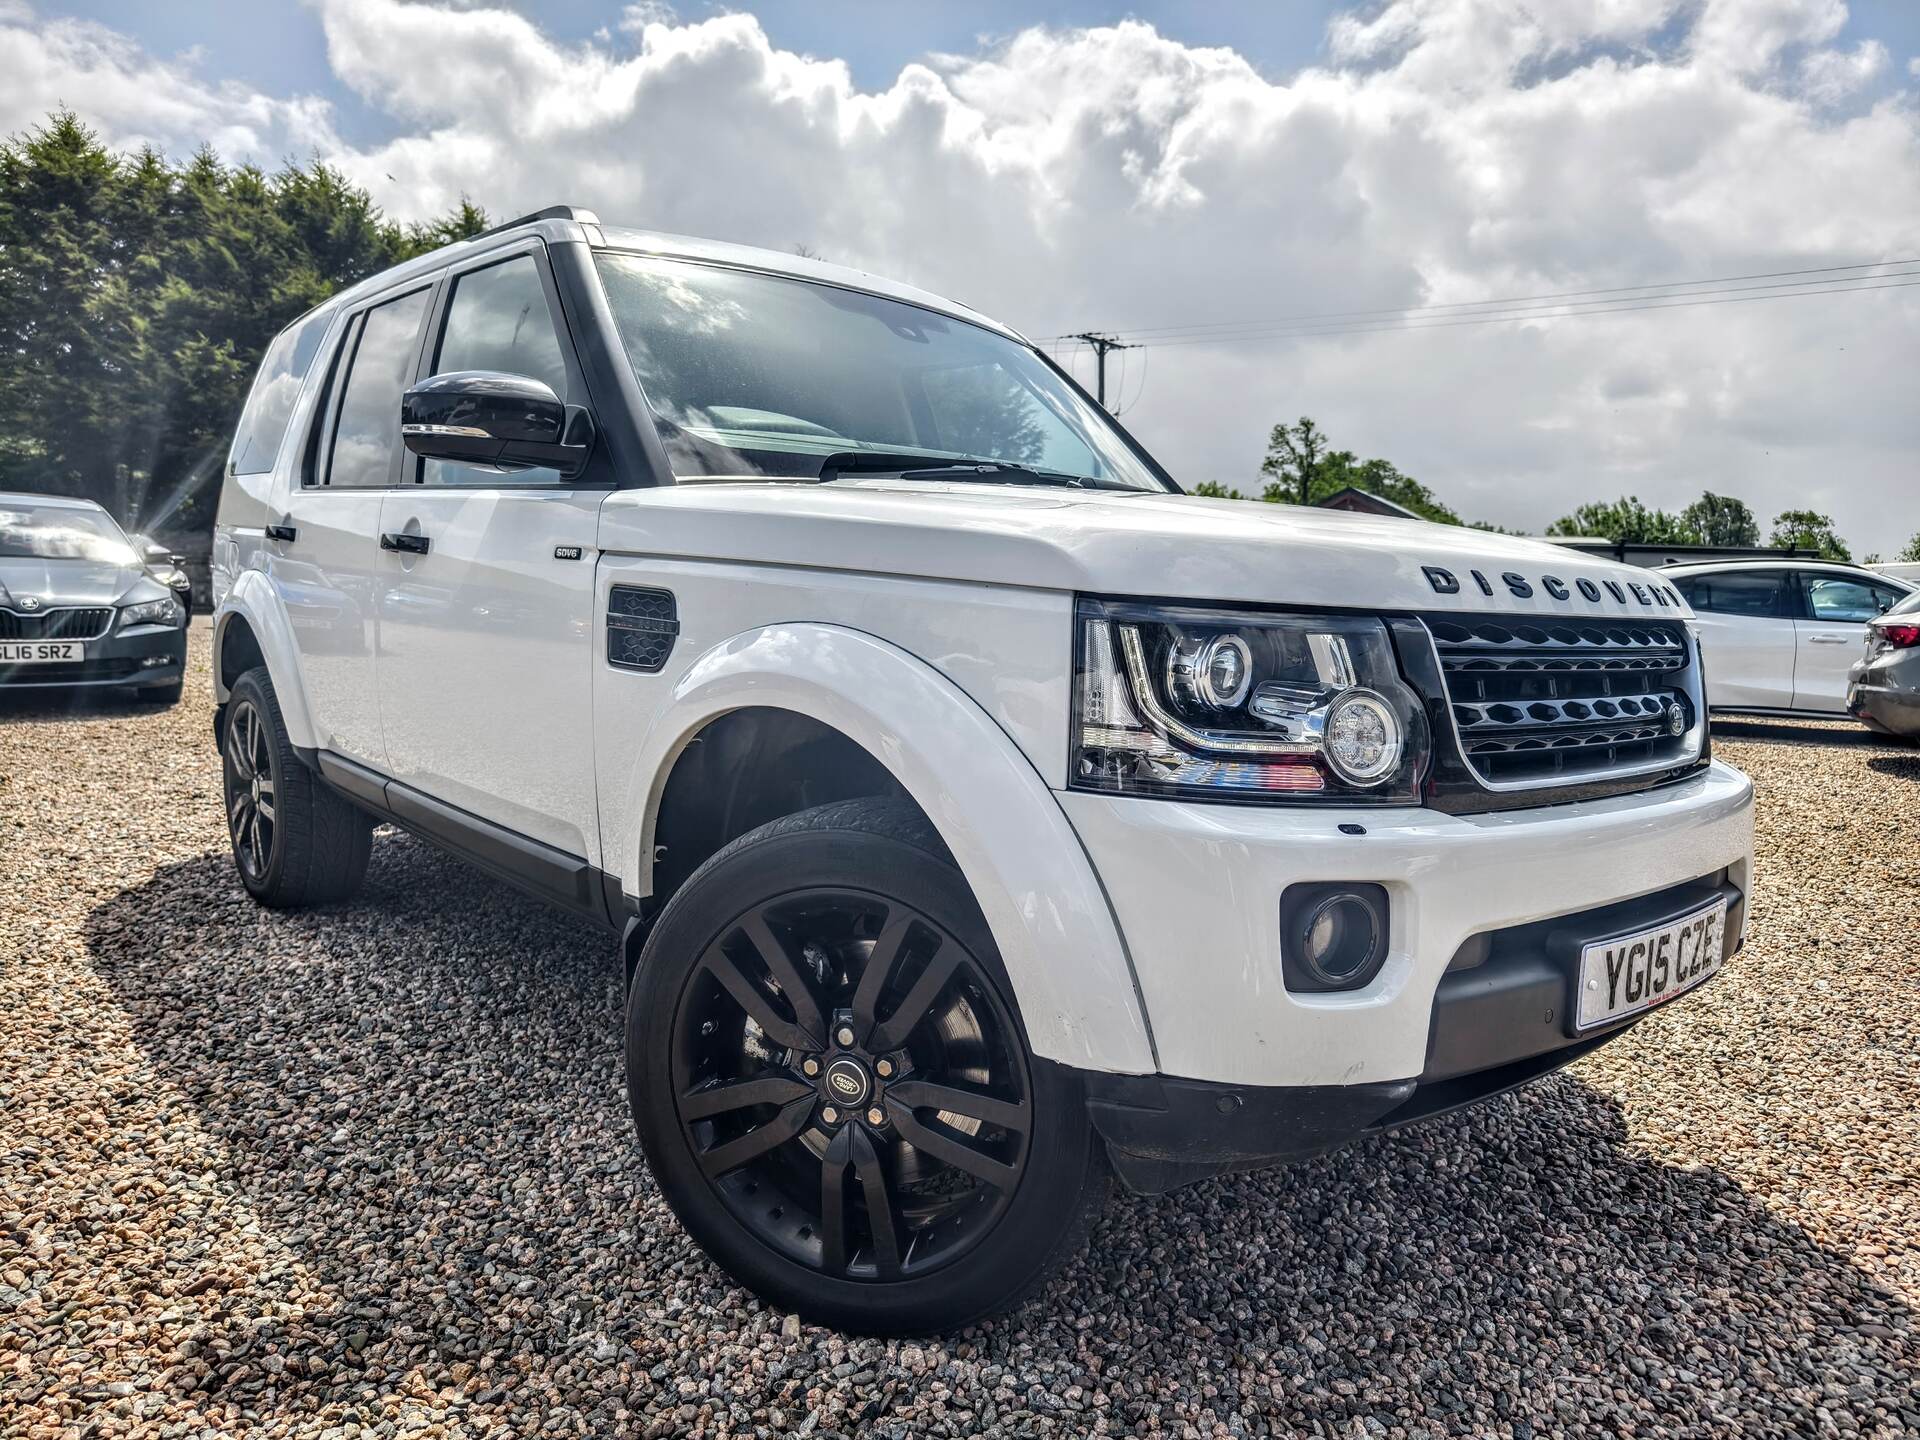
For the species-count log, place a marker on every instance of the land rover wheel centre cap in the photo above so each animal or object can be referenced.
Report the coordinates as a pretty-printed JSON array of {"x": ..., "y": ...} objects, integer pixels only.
[{"x": 846, "y": 1082}]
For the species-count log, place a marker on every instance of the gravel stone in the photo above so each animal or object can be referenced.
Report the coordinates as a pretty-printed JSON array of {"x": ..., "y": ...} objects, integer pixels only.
[{"x": 369, "y": 1172}]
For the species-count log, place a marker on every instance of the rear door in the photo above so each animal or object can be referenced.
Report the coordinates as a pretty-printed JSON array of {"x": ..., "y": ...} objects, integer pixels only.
[
  {"x": 1747, "y": 634},
  {"x": 1834, "y": 610},
  {"x": 325, "y": 572},
  {"x": 486, "y": 639}
]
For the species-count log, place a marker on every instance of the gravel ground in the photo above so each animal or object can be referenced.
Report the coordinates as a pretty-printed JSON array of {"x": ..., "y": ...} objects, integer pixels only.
[{"x": 371, "y": 1172}]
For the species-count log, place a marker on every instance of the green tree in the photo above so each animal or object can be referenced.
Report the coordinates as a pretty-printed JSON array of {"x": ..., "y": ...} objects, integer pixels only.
[
  {"x": 1382, "y": 478},
  {"x": 1302, "y": 470},
  {"x": 1721, "y": 520},
  {"x": 1214, "y": 490},
  {"x": 1626, "y": 521},
  {"x": 1912, "y": 552},
  {"x": 136, "y": 296},
  {"x": 1809, "y": 530},
  {"x": 1294, "y": 456}
]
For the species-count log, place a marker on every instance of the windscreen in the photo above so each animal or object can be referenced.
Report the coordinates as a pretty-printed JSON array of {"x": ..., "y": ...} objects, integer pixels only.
[
  {"x": 60, "y": 532},
  {"x": 754, "y": 375}
]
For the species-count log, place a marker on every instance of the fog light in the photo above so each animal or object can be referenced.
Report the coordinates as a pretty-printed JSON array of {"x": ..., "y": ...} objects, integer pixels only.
[{"x": 1333, "y": 937}]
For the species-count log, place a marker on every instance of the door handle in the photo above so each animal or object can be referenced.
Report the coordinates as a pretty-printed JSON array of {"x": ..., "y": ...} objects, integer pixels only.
[
  {"x": 410, "y": 544},
  {"x": 1832, "y": 640},
  {"x": 283, "y": 533}
]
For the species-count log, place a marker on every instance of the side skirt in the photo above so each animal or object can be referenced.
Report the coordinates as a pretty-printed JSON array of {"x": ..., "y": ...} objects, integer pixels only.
[{"x": 555, "y": 876}]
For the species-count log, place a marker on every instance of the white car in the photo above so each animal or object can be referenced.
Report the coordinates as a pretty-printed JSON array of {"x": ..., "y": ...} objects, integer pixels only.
[
  {"x": 981, "y": 815},
  {"x": 1780, "y": 635}
]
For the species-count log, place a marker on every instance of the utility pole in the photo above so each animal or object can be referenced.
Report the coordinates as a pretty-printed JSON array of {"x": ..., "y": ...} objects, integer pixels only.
[{"x": 1101, "y": 345}]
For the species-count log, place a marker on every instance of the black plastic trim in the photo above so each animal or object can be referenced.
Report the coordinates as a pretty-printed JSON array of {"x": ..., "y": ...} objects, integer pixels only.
[
  {"x": 1162, "y": 1132},
  {"x": 542, "y": 870}
]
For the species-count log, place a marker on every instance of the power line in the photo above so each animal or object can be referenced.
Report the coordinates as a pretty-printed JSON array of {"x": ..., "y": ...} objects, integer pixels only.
[
  {"x": 1102, "y": 345},
  {"x": 1165, "y": 333},
  {"x": 1415, "y": 322}
]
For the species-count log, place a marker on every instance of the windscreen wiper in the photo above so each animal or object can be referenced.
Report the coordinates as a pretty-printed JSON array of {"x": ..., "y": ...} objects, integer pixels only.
[{"x": 942, "y": 467}]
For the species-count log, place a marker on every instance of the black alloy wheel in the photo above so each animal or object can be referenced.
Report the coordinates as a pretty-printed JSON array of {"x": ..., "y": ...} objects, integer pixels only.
[
  {"x": 835, "y": 1090},
  {"x": 295, "y": 842},
  {"x": 251, "y": 817},
  {"x": 851, "y": 1085}
]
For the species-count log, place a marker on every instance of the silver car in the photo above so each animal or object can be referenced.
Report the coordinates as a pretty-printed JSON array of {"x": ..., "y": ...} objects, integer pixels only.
[{"x": 1883, "y": 688}]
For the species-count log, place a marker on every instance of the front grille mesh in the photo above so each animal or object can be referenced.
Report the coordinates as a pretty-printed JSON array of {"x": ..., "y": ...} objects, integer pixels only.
[
  {"x": 1536, "y": 703},
  {"x": 88, "y": 623}
]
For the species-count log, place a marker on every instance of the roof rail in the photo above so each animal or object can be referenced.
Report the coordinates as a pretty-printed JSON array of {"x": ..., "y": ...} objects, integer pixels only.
[{"x": 553, "y": 212}]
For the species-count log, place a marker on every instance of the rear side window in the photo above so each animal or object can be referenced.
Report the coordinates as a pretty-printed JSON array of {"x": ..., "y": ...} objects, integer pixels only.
[
  {"x": 498, "y": 319},
  {"x": 366, "y": 437},
  {"x": 1836, "y": 597},
  {"x": 1736, "y": 592},
  {"x": 263, "y": 423}
]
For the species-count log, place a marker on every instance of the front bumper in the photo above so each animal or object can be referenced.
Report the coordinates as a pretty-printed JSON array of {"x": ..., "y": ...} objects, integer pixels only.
[
  {"x": 148, "y": 655},
  {"x": 1196, "y": 889},
  {"x": 1499, "y": 1019}
]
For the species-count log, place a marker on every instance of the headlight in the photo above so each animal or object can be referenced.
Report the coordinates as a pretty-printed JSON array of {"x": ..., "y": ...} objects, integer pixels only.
[
  {"x": 1221, "y": 704},
  {"x": 151, "y": 612}
]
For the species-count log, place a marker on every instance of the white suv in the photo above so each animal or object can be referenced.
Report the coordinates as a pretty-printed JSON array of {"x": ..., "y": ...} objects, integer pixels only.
[{"x": 982, "y": 816}]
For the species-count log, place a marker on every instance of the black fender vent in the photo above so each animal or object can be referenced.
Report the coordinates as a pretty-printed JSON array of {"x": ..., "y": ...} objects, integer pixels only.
[{"x": 641, "y": 627}]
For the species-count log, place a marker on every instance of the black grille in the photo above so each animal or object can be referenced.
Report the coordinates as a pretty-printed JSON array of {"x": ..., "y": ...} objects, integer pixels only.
[
  {"x": 1566, "y": 701},
  {"x": 88, "y": 624},
  {"x": 641, "y": 627}
]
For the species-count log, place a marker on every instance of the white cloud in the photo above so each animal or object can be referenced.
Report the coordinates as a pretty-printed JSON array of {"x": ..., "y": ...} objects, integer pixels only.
[
  {"x": 135, "y": 99},
  {"x": 1449, "y": 150}
]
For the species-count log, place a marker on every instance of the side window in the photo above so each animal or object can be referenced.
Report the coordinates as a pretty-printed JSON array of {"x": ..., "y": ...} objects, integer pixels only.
[
  {"x": 366, "y": 437},
  {"x": 1736, "y": 592},
  {"x": 984, "y": 410},
  {"x": 1835, "y": 597},
  {"x": 498, "y": 319},
  {"x": 263, "y": 423}
]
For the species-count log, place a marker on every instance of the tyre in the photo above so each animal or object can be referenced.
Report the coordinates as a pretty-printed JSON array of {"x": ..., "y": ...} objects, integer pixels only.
[
  {"x": 834, "y": 1089},
  {"x": 295, "y": 842}
]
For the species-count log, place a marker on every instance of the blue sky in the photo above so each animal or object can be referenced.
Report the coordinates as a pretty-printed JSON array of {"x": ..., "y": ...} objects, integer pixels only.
[
  {"x": 277, "y": 46},
  {"x": 1467, "y": 149}
]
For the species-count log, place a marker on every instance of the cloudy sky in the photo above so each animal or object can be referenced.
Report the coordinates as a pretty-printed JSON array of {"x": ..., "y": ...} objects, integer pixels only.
[{"x": 1201, "y": 176}]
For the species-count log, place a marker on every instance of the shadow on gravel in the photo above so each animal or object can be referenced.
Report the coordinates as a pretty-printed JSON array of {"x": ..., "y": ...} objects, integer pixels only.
[
  {"x": 51, "y": 707},
  {"x": 419, "y": 1096},
  {"x": 1798, "y": 732},
  {"x": 1901, "y": 767}
]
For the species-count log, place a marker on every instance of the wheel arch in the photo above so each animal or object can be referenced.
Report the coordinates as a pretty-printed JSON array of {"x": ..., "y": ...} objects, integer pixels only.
[
  {"x": 864, "y": 713},
  {"x": 250, "y": 628}
]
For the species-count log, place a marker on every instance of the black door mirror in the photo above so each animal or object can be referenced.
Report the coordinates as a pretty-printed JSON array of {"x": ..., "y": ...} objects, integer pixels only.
[{"x": 482, "y": 417}]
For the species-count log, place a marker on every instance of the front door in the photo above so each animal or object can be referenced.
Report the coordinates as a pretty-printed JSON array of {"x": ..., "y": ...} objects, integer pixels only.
[
  {"x": 1832, "y": 634},
  {"x": 325, "y": 573},
  {"x": 486, "y": 638}
]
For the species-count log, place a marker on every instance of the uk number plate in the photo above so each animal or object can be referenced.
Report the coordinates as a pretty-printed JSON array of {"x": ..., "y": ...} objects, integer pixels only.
[
  {"x": 1623, "y": 976},
  {"x": 40, "y": 652}
]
